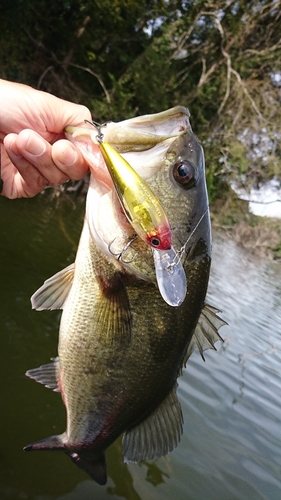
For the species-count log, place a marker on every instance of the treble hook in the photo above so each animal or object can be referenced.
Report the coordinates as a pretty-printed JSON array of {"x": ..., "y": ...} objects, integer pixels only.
[
  {"x": 119, "y": 255},
  {"x": 98, "y": 126}
]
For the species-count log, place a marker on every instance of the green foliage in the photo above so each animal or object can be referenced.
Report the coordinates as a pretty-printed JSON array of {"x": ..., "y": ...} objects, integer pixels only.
[
  {"x": 238, "y": 157},
  {"x": 128, "y": 57}
]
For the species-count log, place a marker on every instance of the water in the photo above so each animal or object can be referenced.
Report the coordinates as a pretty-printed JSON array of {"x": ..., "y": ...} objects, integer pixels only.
[{"x": 231, "y": 446}]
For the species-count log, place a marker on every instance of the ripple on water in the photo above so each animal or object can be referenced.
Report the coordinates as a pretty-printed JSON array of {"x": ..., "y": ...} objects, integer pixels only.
[{"x": 231, "y": 403}]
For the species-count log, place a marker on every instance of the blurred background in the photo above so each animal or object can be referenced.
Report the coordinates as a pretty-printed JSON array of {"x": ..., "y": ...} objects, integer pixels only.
[{"x": 121, "y": 58}]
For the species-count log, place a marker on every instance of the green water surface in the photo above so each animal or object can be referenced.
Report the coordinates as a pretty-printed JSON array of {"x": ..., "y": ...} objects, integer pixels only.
[{"x": 231, "y": 446}]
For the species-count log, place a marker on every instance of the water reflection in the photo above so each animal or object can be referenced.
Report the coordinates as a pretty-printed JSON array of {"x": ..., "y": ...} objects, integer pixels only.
[
  {"x": 117, "y": 470},
  {"x": 154, "y": 474},
  {"x": 231, "y": 444}
]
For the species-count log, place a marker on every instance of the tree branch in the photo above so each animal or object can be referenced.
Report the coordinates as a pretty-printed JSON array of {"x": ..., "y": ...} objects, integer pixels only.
[{"x": 97, "y": 77}]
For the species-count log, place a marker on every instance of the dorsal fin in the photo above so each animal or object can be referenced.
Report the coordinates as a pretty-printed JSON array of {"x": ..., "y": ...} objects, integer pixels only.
[
  {"x": 48, "y": 375},
  {"x": 206, "y": 332},
  {"x": 156, "y": 436},
  {"x": 52, "y": 294}
]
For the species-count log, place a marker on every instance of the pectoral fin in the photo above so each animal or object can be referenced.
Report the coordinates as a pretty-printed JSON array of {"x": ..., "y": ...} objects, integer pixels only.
[
  {"x": 52, "y": 294},
  {"x": 206, "y": 331},
  {"x": 156, "y": 436},
  {"x": 48, "y": 375},
  {"x": 113, "y": 313}
]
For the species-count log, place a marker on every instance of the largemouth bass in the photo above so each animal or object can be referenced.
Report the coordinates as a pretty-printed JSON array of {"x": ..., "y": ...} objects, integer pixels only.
[{"x": 121, "y": 346}]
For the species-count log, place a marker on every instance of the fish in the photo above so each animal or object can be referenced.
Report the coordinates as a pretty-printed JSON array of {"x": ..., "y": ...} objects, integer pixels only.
[{"x": 121, "y": 346}]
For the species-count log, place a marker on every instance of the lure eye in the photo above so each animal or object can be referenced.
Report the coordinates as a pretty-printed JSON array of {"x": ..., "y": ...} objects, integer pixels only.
[
  {"x": 155, "y": 242},
  {"x": 184, "y": 174},
  {"x": 161, "y": 242}
]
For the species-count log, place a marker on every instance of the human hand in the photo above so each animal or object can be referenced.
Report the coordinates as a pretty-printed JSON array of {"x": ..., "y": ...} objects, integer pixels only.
[{"x": 34, "y": 151}]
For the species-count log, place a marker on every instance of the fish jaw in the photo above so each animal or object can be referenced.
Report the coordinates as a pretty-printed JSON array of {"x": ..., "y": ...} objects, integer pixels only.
[
  {"x": 135, "y": 134},
  {"x": 149, "y": 134}
]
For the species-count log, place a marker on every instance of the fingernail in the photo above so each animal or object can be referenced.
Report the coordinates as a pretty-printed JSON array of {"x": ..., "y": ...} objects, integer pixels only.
[
  {"x": 35, "y": 146},
  {"x": 68, "y": 157}
]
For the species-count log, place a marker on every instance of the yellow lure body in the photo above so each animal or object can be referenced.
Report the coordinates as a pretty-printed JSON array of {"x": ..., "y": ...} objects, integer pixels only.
[{"x": 142, "y": 208}]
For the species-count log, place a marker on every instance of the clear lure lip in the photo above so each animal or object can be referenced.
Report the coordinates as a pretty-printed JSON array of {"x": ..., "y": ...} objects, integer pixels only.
[{"x": 170, "y": 275}]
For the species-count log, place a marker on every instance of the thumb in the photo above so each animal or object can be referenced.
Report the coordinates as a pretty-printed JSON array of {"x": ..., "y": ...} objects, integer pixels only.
[{"x": 69, "y": 159}]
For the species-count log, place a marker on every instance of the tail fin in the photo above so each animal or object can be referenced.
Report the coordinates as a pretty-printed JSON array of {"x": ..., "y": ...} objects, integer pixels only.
[
  {"x": 49, "y": 443},
  {"x": 96, "y": 468}
]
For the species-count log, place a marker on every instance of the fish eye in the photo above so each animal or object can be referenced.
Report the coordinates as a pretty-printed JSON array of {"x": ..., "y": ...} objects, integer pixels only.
[{"x": 184, "y": 173}]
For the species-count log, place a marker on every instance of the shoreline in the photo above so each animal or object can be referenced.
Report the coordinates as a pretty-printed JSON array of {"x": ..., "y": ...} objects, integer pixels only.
[{"x": 259, "y": 235}]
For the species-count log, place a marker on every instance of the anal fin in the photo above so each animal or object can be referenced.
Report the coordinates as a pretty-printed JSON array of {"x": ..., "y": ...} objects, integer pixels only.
[{"x": 156, "y": 436}]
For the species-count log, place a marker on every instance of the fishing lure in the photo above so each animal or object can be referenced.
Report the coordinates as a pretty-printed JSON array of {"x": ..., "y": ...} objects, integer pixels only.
[
  {"x": 146, "y": 215},
  {"x": 170, "y": 275},
  {"x": 141, "y": 206}
]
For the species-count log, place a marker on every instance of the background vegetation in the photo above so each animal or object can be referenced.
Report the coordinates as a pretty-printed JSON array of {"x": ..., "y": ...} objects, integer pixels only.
[{"x": 221, "y": 59}]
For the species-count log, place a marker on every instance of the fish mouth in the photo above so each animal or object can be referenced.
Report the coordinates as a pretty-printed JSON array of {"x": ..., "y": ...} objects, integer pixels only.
[
  {"x": 143, "y": 142},
  {"x": 135, "y": 134}
]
